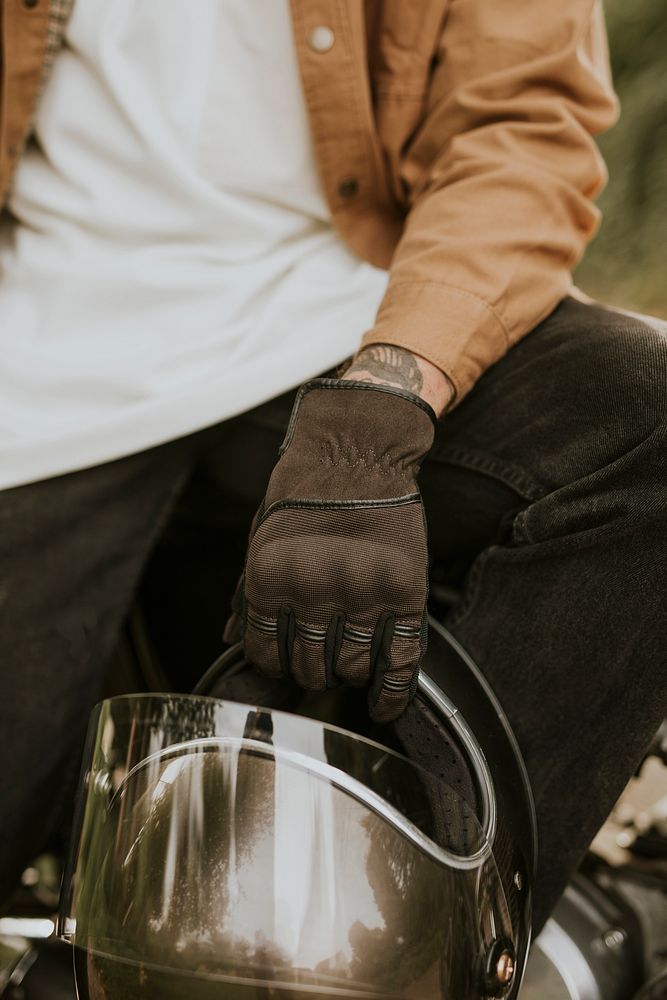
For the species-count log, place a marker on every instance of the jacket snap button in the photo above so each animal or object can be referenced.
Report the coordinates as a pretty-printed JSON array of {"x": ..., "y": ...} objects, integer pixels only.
[
  {"x": 321, "y": 39},
  {"x": 348, "y": 187}
]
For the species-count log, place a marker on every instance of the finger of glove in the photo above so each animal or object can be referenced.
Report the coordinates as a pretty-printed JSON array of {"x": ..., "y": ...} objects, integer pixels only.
[
  {"x": 307, "y": 661},
  {"x": 260, "y": 642},
  {"x": 314, "y": 653},
  {"x": 395, "y": 664},
  {"x": 353, "y": 663}
]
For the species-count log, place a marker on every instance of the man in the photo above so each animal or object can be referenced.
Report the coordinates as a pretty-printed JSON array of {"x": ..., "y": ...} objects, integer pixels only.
[{"x": 200, "y": 217}]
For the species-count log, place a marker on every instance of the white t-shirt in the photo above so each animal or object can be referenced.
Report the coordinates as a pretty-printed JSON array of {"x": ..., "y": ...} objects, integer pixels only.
[{"x": 173, "y": 262}]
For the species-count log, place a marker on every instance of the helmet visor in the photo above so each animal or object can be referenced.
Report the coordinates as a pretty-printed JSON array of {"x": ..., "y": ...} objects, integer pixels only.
[{"x": 228, "y": 851}]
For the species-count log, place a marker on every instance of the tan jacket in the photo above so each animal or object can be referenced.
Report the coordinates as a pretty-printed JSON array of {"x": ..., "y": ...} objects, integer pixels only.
[{"x": 454, "y": 140}]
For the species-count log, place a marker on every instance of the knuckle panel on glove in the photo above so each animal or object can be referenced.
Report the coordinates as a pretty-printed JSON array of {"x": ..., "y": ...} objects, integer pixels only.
[{"x": 340, "y": 559}]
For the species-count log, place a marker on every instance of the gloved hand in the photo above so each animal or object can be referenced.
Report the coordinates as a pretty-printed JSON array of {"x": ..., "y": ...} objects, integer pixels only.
[{"x": 335, "y": 582}]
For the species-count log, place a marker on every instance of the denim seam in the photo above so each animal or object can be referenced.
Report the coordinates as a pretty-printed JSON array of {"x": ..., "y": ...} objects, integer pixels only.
[
  {"x": 511, "y": 476},
  {"x": 537, "y": 550}
]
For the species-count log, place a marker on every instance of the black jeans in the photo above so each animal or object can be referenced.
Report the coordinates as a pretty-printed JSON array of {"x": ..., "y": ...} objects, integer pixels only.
[{"x": 546, "y": 496}]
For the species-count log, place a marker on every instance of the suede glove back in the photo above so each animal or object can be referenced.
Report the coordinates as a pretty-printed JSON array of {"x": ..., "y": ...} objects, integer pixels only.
[{"x": 335, "y": 583}]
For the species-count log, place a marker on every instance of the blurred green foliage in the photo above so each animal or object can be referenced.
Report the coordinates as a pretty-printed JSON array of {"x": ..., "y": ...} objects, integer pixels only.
[{"x": 627, "y": 264}]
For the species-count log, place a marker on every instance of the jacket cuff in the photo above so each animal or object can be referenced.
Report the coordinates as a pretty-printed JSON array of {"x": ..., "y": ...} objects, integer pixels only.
[{"x": 454, "y": 329}]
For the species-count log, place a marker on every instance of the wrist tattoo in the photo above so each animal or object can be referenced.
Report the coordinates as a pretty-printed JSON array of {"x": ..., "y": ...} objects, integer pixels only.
[{"x": 390, "y": 364}]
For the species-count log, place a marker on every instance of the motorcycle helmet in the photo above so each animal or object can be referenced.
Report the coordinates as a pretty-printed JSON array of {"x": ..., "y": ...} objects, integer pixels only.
[{"x": 254, "y": 841}]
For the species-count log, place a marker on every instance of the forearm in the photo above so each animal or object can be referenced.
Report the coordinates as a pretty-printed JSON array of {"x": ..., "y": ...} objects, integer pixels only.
[{"x": 389, "y": 365}]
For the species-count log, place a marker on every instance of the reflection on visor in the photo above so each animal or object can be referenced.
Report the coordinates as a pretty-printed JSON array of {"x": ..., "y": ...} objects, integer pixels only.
[
  {"x": 465, "y": 835},
  {"x": 231, "y": 852}
]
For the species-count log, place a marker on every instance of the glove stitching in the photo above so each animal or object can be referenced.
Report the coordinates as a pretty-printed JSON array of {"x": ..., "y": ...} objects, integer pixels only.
[{"x": 336, "y": 453}]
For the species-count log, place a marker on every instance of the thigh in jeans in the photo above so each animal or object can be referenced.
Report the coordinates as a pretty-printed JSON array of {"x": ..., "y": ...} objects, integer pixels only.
[
  {"x": 546, "y": 492},
  {"x": 71, "y": 549}
]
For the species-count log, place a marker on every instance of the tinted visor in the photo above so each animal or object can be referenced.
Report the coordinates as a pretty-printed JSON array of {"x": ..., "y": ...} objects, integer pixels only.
[{"x": 227, "y": 851}]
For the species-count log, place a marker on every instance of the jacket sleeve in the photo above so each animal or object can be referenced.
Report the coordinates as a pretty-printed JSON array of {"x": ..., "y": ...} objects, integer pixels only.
[{"x": 501, "y": 176}]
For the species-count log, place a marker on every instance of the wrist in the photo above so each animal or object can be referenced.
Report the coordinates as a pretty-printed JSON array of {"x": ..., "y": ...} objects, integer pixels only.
[{"x": 385, "y": 364}]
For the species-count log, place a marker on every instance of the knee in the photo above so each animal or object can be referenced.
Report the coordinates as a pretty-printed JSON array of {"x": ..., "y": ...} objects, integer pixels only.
[
  {"x": 613, "y": 455},
  {"x": 622, "y": 372},
  {"x": 642, "y": 351}
]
